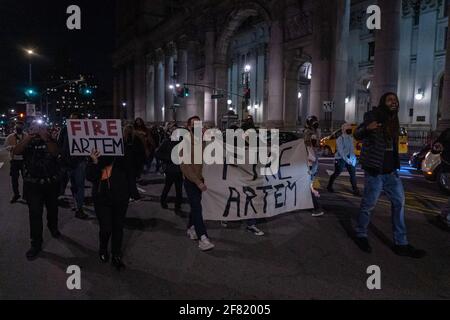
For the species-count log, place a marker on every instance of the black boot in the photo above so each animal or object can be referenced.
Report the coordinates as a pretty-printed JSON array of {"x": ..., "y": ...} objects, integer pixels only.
[
  {"x": 33, "y": 252},
  {"x": 104, "y": 256},
  {"x": 409, "y": 251},
  {"x": 363, "y": 244},
  {"x": 117, "y": 262},
  {"x": 15, "y": 198}
]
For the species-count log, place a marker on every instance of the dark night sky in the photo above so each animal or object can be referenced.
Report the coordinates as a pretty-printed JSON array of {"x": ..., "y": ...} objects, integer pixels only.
[{"x": 41, "y": 24}]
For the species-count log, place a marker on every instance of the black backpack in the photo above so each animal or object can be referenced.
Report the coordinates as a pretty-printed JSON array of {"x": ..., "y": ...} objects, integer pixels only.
[{"x": 40, "y": 166}]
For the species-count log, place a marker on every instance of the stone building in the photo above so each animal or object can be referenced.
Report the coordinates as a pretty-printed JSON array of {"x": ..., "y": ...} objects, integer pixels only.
[{"x": 293, "y": 55}]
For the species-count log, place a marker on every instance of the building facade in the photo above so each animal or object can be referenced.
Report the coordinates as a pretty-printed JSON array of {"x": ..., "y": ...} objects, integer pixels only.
[{"x": 296, "y": 57}]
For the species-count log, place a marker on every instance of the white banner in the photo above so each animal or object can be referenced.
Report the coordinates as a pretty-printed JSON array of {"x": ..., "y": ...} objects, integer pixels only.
[
  {"x": 103, "y": 135},
  {"x": 238, "y": 192}
]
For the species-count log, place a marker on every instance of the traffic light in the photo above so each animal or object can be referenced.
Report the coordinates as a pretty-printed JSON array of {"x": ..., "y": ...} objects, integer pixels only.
[
  {"x": 87, "y": 91},
  {"x": 30, "y": 92},
  {"x": 183, "y": 92},
  {"x": 21, "y": 115}
]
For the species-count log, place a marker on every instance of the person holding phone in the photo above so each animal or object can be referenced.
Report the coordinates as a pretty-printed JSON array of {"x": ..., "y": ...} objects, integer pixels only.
[{"x": 41, "y": 182}]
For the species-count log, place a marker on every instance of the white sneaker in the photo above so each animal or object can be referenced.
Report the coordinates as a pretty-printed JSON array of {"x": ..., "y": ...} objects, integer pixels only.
[
  {"x": 192, "y": 234},
  {"x": 204, "y": 244},
  {"x": 255, "y": 231},
  {"x": 317, "y": 213}
]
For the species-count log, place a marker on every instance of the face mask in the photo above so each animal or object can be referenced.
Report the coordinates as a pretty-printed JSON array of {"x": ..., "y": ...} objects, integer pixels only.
[
  {"x": 349, "y": 131},
  {"x": 316, "y": 126}
]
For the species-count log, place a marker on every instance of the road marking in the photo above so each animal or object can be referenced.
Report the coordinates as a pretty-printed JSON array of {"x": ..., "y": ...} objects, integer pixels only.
[
  {"x": 346, "y": 174},
  {"x": 1, "y": 164}
]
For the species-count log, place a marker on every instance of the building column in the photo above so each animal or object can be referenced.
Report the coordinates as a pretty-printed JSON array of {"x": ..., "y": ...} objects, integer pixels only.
[
  {"x": 122, "y": 91},
  {"x": 192, "y": 107},
  {"x": 339, "y": 66},
  {"x": 321, "y": 57},
  {"x": 150, "y": 115},
  {"x": 209, "y": 112},
  {"x": 221, "y": 82},
  {"x": 129, "y": 91},
  {"x": 139, "y": 84},
  {"x": 444, "y": 122},
  {"x": 159, "y": 86},
  {"x": 276, "y": 73},
  {"x": 168, "y": 77},
  {"x": 116, "y": 96},
  {"x": 387, "y": 48},
  {"x": 182, "y": 73}
]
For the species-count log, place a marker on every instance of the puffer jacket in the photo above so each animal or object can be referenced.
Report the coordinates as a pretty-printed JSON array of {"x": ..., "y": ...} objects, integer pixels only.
[{"x": 374, "y": 145}]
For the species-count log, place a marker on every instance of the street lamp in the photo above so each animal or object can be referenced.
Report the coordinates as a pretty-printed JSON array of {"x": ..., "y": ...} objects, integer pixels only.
[
  {"x": 247, "y": 68},
  {"x": 30, "y": 53}
]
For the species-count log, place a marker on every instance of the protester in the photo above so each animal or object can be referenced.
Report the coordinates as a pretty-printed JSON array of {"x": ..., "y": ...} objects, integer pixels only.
[
  {"x": 16, "y": 161},
  {"x": 173, "y": 174},
  {"x": 73, "y": 168},
  {"x": 312, "y": 138},
  {"x": 146, "y": 137},
  {"x": 345, "y": 158},
  {"x": 194, "y": 184},
  {"x": 442, "y": 144},
  {"x": 249, "y": 124},
  {"x": 113, "y": 180},
  {"x": 41, "y": 182},
  {"x": 137, "y": 158},
  {"x": 381, "y": 162}
]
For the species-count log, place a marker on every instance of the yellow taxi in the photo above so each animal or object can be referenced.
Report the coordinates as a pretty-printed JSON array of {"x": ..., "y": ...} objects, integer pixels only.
[{"x": 328, "y": 144}]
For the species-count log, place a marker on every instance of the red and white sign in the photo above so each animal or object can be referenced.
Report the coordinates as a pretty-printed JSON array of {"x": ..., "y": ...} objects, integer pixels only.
[{"x": 102, "y": 135}]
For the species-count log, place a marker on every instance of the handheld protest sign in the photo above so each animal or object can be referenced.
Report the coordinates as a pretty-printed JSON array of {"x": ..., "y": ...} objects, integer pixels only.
[{"x": 104, "y": 135}]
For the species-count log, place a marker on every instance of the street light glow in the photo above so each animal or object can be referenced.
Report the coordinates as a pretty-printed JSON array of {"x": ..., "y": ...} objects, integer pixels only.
[
  {"x": 229, "y": 102},
  {"x": 247, "y": 68},
  {"x": 30, "y": 52},
  {"x": 171, "y": 87}
]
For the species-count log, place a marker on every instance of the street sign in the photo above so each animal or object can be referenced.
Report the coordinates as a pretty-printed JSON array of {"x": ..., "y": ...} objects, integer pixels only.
[
  {"x": 31, "y": 110},
  {"x": 217, "y": 96},
  {"x": 329, "y": 106}
]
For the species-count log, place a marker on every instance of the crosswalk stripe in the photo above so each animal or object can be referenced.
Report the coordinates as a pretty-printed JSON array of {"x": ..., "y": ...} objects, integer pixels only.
[{"x": 1, "y": 164}]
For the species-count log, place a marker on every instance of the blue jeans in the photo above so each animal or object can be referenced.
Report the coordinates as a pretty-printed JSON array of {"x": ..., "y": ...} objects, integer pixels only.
[
  {"x": 393, "y": 188},
  {"x": 194, "y": 195},
  {"x": 77, "y": 180},
  {"x": 339, "y": 166}
]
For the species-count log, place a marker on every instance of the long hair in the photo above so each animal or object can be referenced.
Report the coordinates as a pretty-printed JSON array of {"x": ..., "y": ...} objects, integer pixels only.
[{"x": 390, "y": 121}]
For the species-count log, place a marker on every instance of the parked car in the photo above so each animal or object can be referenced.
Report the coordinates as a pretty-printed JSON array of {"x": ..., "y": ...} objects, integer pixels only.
[
  {"x": 417, "y": 158},
  {"x": 432, "y": 170},
  {"x": 328, "y": 144}
]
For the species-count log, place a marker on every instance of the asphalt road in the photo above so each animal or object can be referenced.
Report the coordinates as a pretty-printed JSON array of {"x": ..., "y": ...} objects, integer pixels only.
[{"x": 300, "y": 257}]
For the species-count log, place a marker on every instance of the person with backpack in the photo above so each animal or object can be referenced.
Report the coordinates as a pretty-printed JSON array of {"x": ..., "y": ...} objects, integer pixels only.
[
  {"x": 16, "y": 161},
  {"x": 173, "y": 174},
  {"x": 41, "y": 182}
]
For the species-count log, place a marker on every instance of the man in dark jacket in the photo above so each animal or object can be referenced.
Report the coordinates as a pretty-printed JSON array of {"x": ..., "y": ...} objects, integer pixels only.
[
  {"x": 172, "y": 171},
  {"x": 41, "y": 182},
  {"x": 442, "y": 144},
  {"x": 380, "y": 161}
]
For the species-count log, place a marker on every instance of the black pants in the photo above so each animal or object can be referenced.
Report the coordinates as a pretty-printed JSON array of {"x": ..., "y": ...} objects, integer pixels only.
[
  {"x": 177, "y": 179},
  {"x": 339, "y": 166},
  {"x": 194, "y": 195},
  {"x": 111, "y": 218},
  {"x": 38, "y": 196},
  {"x": 16, "y": 169}
]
